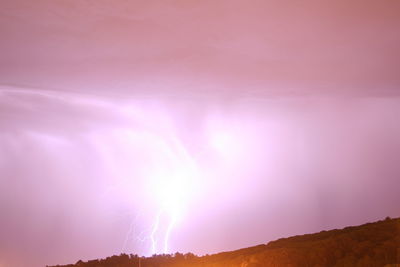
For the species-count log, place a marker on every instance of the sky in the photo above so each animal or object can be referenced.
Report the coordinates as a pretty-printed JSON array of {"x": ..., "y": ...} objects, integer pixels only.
[{"x": 204, "y": 126}]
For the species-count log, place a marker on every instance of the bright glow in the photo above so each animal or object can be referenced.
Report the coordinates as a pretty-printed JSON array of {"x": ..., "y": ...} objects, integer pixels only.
[
  {"x": 224, "y": 142},
  {"x": 172, "y": 190},
  {"x": 169, "y": 175}
]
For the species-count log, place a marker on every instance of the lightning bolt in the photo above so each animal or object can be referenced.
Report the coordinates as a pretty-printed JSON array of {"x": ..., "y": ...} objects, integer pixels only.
[
  {"x": 128, "y": 235},
  {"x": 170, "y": 184},
  {"x": 155, "y": 229},
  {"x": 153, "y": 233},
  {"x": 168, "y": 232}
]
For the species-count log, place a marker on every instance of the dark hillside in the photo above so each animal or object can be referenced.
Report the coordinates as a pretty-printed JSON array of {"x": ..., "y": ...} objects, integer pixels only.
[{"x": 369, "y": 245}]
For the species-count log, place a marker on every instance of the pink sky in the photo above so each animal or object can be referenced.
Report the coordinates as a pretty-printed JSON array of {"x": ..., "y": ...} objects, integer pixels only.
[{"x": 256, "y": 120}]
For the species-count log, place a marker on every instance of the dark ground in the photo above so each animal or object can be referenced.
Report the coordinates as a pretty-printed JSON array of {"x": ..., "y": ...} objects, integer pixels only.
[{"x": 369, "y": 245}]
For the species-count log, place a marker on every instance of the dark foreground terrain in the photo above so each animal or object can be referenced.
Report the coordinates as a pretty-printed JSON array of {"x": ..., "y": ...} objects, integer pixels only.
[{"x": 368, "y": 245}]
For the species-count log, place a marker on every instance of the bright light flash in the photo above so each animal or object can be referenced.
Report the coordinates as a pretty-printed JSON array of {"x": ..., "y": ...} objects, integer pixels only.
[
  {"x": 173, "y": 193},
  {"x": 168, "y": 171}
]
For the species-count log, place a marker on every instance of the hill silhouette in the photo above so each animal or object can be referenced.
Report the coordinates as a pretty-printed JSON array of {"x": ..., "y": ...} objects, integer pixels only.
[{"x": 368, "y": 245}]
